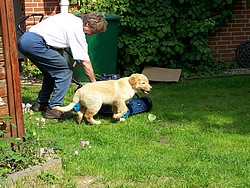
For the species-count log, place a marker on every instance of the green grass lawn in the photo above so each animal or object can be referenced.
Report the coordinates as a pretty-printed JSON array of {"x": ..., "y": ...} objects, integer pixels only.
[{"x": 200, "y": 138}]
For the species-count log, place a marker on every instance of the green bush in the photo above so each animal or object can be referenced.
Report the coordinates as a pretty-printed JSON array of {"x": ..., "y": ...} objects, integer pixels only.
[
  {"x": 30, "y": 70},
  {"x": 166, "y": 33}
]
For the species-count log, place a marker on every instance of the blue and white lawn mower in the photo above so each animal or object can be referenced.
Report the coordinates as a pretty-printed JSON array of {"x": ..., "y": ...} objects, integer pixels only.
[{"x": 135, "y": 106}]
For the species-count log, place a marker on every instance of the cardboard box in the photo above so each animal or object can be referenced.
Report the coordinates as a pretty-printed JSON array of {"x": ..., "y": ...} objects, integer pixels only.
[{"x": 162, "y": 74}]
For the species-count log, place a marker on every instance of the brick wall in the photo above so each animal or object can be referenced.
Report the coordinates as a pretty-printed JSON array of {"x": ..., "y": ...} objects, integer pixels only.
[
  {"x": 46, "y": 7},
  {"x": 225, "y": 42}
]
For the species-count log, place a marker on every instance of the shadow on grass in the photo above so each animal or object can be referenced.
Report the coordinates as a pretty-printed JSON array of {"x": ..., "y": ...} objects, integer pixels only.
[{"x": 223, "y": 122}]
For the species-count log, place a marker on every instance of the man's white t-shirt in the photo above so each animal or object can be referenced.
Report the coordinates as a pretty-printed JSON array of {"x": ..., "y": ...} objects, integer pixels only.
[{"x": 64, "y": 30}]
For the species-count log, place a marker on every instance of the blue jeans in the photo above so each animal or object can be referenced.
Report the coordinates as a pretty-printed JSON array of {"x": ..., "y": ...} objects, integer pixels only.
[{"x": 56, "y": 70}]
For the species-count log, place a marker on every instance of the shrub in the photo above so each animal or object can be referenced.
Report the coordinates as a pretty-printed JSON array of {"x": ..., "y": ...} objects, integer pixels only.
[{"x": 166, "y": 33}]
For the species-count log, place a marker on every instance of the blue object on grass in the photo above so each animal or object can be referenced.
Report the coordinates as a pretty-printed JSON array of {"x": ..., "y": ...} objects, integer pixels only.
[
  {"x": 77, "y": 107},
  {"x": 139, "y": 105},
  {"x": 127, "y": 114}
]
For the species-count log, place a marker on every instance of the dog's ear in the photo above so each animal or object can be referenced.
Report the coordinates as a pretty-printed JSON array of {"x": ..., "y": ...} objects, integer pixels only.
[{"x": 133, "y": 80}]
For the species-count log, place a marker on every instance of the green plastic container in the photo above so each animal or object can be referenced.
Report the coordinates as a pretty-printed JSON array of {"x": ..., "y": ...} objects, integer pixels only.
[{"x": 102, "y": 50}]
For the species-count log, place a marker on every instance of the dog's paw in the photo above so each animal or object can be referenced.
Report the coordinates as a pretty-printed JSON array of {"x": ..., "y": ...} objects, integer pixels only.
[
  {"x": 97, "y": 122},
  {"x": 117, "y": 116},
  {"x": 122, "y": 119}
]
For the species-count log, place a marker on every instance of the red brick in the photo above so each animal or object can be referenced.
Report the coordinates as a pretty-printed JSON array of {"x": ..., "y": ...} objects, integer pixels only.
[
  {"x": 234, "y": 29},
  {"x": 242, "y": 21},
  {"x": 247, "y": 33},
  {"x": 39, "y": 10},
  {"x": 237, "y": 43},
  {"x": 218, "y": 47},
  {"x": 233, "y": 46},
  {"x": 240, "y": 16},
  {"x": 212, "y": 43},
  {"x": 226, "y": 51},
  {"x": 227, "y": 38},
  {"x": 237, "y": 34},
  {"x": 52, "y": 4},
  {"x": 238, "y": 25},
  {"x": 30, "y": 4},
  {"x": 241, "y": 38},
  {"x": 223, "y": 34}
]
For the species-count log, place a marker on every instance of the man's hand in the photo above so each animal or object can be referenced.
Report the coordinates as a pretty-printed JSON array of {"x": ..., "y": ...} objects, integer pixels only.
[{"x": 88, "y": 69}]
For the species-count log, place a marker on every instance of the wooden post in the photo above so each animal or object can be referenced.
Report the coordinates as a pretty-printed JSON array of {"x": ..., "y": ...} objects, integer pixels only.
[{"x": 10, "y": 50}]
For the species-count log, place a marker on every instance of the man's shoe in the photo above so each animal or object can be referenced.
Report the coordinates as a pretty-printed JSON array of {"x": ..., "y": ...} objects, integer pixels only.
[
  {"x": 36, "y": 107},
  {"x": 55, "y": 114}
]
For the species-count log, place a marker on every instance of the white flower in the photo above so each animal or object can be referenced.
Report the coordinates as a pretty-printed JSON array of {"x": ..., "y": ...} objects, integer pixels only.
[
  {"x": 42, "y": 120},
  {"x": 27, "y": 106},
  {"x": 76, "y": 152}
]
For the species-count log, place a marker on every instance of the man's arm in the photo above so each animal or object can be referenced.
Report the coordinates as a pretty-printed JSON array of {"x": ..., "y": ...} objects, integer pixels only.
[{"x": 88, "y": 69}]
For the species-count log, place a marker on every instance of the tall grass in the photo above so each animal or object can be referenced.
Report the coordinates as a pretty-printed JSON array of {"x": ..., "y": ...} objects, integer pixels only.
[{"x": 200, "y": 138}]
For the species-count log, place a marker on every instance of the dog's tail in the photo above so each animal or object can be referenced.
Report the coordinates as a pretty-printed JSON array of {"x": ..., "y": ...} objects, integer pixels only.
[
  {"x": 65, "y": 108},
  {"x": 70, "y": 106}
]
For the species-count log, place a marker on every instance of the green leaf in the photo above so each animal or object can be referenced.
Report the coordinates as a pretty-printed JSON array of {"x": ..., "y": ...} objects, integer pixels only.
[
  {"x": 160, "y": 34},
  {"x": 120, "y": 45},
  {"x": 142, "y": 58},
  {"x": 166, "y": 29},
  {"x": 74, "y": 1}
]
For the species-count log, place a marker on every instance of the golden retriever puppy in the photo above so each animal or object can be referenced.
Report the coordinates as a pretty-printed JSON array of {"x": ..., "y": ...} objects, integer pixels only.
[{"x": 116, "y": 93}]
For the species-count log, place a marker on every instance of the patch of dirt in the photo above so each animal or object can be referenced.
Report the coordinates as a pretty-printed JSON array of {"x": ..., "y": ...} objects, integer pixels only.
[
  {"x": 239, "y": 71},
  {"x": 30, "y": 81},
  {"x": 88, "y": 181}
]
